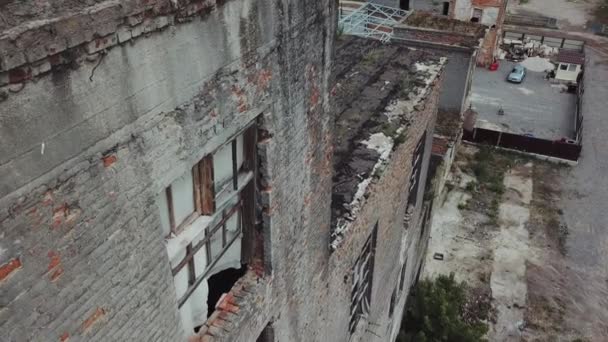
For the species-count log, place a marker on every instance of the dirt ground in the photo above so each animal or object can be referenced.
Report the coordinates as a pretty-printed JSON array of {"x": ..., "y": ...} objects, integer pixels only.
[
  {"x": 480, "y": 232},
  {"x": 501, "y": 231},
  {"x": 570, "y": 14}
]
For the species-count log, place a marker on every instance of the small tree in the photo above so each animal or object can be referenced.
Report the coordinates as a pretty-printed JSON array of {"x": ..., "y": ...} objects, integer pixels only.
[{"x": 435, "y": 314}]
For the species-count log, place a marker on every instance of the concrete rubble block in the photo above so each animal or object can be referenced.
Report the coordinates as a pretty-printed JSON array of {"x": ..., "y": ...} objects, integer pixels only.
[
  {"x": 41, "y": 67},
  {"x": 135, "y": 19},
  {"x": 137, "y": 31},
  {"x": 124, "y": 34}
]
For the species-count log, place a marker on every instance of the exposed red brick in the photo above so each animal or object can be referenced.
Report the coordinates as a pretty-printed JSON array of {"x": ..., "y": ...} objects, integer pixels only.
[
  {"x": 56, "y": 274},
  {"x": 227, "y": 303},
  {"x": 439, "y": 146},
  {"x": 65, "y": 337},
  {"x": 93, "y": 318},
  {"x": 7, "y": 269},
  {"x": 55, "y": 260},
  {"x": 109, "y": 160},
  {"x": 195, "y": 338},
  {"x": 264, "y": 79}
]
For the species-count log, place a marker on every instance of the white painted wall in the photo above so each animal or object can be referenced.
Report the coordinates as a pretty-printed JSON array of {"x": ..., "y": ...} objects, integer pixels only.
[
  {"x": 490, "y": 16},
  {"x": 463, "y": 10}
]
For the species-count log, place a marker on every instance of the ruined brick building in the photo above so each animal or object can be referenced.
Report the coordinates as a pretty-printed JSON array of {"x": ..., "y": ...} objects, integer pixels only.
[
  {"x": 208, "y": 170},
  {"x": 490, "y": 13}
]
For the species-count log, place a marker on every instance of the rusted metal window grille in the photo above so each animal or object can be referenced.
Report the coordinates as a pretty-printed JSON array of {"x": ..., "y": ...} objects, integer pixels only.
[
  {"x": 363, "y": 273},
  {"x": 205, "y": 201}
]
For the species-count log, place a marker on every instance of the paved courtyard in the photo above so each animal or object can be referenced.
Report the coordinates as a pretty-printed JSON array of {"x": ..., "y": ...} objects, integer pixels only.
[{"x": 535, "y": 107}]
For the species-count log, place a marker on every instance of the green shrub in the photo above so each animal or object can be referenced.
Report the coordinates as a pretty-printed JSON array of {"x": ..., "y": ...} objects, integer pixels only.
[{"x": 435, "y": 314}]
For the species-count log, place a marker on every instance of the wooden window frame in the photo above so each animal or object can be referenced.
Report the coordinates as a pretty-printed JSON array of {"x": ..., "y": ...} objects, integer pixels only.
[{"x": 205, "y": 205}]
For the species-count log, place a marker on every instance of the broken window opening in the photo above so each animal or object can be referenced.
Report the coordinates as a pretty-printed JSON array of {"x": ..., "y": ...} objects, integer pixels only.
[
  {"x": 363, "y": 272},
  {"x": 209, "y": 216},
  {"x": 221, "y": 283},
  {"x": 563, "y": 66},
  {"x": 477, "y": 14},
  {"x": 267, "y": 334},
  {"x": 404, "y": 5},
  {"x": 446, "y": 8}
]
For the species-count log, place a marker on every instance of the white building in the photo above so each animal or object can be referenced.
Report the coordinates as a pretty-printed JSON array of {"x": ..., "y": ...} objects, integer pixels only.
[{"x": 569, "y": 65}]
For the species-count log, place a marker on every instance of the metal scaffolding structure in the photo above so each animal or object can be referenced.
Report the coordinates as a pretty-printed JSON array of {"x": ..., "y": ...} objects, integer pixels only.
[{"x": 370, "y": 20}]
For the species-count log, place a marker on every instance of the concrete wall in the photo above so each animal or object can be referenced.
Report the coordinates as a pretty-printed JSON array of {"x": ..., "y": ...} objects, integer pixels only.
[
  {"x": 87, "y": 147},
  {"x": 458, "y": 71}
]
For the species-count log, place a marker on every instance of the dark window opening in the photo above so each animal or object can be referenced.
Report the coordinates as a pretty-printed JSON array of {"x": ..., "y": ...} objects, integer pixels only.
[
  {"x": 363, "y": 272},
  {"x": 404, "y": 5},
  {"x": 446, "y": 8},
  {"x": 425, "y": 221},
  {"x": 402, "y": 280},
  {"x": 418, "y": 273},
  {"x": 391, "y": 308},
  {"x": 221, "y": 283},
  {"x": 477, "y": 13},
  {"x": 267, "y": 334}
]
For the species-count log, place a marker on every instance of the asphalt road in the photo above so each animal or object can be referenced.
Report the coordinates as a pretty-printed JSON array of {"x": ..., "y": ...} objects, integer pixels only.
[{"x": 584, "y": 202}]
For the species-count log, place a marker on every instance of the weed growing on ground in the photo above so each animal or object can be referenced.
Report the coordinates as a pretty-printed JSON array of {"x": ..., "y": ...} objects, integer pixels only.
[
  {"x": 439, "y": 312},
  {"x": 489, "y": 166}
]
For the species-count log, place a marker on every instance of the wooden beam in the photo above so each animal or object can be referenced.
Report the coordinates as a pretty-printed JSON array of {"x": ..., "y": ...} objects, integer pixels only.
[{"x": 207, "y": 186}]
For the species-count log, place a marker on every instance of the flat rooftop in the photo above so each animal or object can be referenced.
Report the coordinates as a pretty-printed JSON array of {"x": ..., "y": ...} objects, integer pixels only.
[
  {"x": 535, "y": 107},
  {"x": 378, "y": 88}
]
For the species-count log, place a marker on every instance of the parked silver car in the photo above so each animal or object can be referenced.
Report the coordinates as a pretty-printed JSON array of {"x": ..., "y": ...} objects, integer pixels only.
[{"x": 517, "y": 75}]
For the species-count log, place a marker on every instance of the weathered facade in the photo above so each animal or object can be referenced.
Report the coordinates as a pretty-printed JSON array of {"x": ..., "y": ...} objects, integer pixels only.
[{"x": 167, "y": 171}]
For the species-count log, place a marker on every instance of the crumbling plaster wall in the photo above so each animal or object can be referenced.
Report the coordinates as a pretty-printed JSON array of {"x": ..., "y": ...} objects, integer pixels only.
[
  {"x": 386, "y": 206},
  {"x": 86, "y": 147}
]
